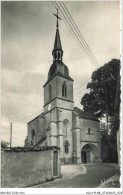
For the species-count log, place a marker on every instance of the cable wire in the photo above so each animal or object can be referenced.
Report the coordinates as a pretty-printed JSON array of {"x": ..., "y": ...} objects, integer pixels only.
[
  {"x": 84, "y": 42},
  {"x": 75, "y": 34}
]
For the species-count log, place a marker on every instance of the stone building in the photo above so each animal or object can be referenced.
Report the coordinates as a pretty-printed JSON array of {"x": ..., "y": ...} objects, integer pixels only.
[{"x": 61, "y": 124}]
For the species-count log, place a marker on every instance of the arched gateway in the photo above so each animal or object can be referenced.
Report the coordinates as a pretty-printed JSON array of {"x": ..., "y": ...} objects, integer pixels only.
[{"x": 89, "y": 153}]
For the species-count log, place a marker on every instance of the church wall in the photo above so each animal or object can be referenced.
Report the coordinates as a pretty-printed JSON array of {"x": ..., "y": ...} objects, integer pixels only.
[
  {"x": 94, "y": 127},
  {"x": 34, "y": 124},
  {"x": 22, "y": 169},
  {"x": 94, "y": 138},
  {"x": 39, "y": 125},
  {"x": 48, "y": 118},
  {"x": 46, "y": 91},
  {"x": 53, "y": 115},
  {"x": 59, "y": 132},
  {"x": 76, "y": 145},
  {"x": 56, "y": 85},
  {"x": 76, "y": 138},
  {"x": 58, "y": 103},
  {"x": 64, "y": 104},
  {"x": 42, "y": 126},
  {"x": 74, "y": 120},
  {"x": 69, "y": 85},
  {"x": 51, "y": 127},
  {"x": 67, "y": 132}
]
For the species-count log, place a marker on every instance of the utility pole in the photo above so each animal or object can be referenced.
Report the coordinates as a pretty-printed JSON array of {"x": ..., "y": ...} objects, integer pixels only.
[{"x": 10, "y": 134}]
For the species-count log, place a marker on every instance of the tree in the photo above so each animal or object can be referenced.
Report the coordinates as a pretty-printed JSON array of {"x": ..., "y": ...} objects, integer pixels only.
[
  {"x": 4, "y": 144},
  {"x": 104, "y": 98},
  {"x": 101, "y": 98}
]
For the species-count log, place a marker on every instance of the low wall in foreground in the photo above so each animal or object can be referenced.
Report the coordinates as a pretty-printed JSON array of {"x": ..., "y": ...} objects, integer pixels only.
[{"x": 24, "y": 167}]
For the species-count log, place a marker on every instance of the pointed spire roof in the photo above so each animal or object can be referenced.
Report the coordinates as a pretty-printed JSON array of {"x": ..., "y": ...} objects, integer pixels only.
[
  {"x": 57, "y": 43},
  {"x": 58, "y": 67}
]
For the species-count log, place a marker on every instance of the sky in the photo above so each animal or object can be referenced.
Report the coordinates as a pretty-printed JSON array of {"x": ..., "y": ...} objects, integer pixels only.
[{"x": 27, "y": 38}]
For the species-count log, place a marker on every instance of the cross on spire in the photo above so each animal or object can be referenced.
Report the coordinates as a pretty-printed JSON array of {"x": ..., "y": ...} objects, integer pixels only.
[{"x": 57, "y": 16}]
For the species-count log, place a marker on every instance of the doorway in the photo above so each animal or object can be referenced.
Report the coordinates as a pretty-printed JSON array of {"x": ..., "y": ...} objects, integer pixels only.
[
  {"x": 55, "y": 163},
  {"x": 88, "y": 153},
  {"x": 83, "y": 157}
]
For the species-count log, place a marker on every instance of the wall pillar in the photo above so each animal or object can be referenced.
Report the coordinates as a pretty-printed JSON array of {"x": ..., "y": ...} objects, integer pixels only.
[
  {"x": 78, "y": 146},
  {"x": 78, "y": 140},
  {"x": 53, "y": 135},
  {"x": 53, "y": 129},
  {"x": 60, "y": 141}
]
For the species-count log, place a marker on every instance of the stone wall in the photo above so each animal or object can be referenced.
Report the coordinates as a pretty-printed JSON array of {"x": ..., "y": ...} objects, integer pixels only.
[
  {"x": 94, "y": 127},
  {"x": 26, "y": 168},
  {"x": 56, "y": 85},
  {"x": 59, "y": 133},
  {"x": 34, "y": 124},
  {"x": 39, "y": 126},
  {"x": 93, "y": 139}
]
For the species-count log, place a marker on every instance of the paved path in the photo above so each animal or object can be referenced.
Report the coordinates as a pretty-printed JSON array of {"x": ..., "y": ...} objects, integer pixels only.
[
  {"x": 88, "y": 176},
  {"x": 68, "y": 171}
]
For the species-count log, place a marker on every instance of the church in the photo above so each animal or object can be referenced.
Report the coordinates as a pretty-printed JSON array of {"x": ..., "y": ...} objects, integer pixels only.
[{"x": 75, "y": 132}]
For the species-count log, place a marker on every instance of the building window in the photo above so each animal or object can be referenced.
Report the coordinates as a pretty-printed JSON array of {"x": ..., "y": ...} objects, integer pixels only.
[
  {"x": 89, "y": 131},
  {"x": 59, "y": 55},
  {"x": 50, "y": 92},
  {"x": 33, "y": 134},
  {"x": 64, "y": 90},
  {"x": 33, "y": 137},
  {"x": 66, "y": 147},
  {"x": 66, "y": 122}
]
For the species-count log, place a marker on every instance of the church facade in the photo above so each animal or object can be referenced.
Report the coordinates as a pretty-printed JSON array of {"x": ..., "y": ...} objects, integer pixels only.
[{"x": 76, "y": 133}]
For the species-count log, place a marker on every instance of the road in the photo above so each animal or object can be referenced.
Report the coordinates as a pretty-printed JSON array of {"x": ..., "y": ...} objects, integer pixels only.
[{"x": 92, "y": 179}]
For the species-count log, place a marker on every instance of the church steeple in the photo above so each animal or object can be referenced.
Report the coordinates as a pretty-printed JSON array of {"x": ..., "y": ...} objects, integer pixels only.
[
  {"x": 59, "y": 86},
  {"x": 57, "y": 51}
]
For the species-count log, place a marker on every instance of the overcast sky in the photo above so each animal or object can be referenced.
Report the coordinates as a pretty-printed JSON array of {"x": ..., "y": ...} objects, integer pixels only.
[{"x": 28, "y": 33}]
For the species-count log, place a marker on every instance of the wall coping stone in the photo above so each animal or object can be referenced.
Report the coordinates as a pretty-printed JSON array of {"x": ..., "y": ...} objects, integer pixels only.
[{"x": 30, "y": 149}]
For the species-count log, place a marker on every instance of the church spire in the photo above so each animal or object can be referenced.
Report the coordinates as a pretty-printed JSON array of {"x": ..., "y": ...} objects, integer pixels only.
[{"x": 57, "y": 51}]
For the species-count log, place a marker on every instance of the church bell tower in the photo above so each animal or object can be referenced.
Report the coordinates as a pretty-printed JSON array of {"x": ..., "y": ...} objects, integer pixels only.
[{"x": 58, "y": 90}]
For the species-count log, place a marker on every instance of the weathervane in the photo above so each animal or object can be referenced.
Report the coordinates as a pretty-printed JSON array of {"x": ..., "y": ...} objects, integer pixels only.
[{"x": 57, "y": 16}]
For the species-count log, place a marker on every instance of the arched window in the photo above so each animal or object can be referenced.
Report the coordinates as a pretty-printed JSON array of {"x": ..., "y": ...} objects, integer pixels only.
[
  {"x": 33, "y": 137},
  {"x": 59, "y": 55},
  {"x": 55, "y": 56},
  {"x": 89, "y": 131},
  {"x": 66, "y": 122},
  {"x": 33, "y": 134},
  {"x": 50, "y": 92},
  {"x": 64, "y": 90},
  {"x": 66, "y": 147}
]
